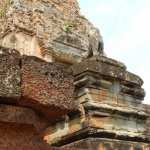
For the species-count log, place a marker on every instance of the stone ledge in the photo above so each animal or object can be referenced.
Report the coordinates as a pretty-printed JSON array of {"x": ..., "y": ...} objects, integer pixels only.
[
  {"x": 90, "y": 79},
  {"x": 21, "y": 137},
  {"x": 105, "y": 144},
  {"x": 21, "y": 115},
  {"x": 97, "y": 133},
  {"x": 97, "y": 124}
]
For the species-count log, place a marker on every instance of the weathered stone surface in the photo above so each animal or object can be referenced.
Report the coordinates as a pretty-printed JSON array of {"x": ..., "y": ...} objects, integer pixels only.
[
  {"x": 147, "y": 132},
  {"x": 109, "y": 68},
  {"x": 120, "y": 102},
  {"x": 103, "y": 114},
  {"x": 100, "y": 124},
  {"x": 20, "y": 137},
  {"x": 105, "y": 144},
  {"x": 10, "y": 89},
  {"x": 47, "y": 87},
  {"x": 103, "y": 72},
  {"x": 33, "y": 28},
  {"x": 110, "y": 115},
  {"x": 22, "y": 115},
  {"x": 32, "y": 82}
]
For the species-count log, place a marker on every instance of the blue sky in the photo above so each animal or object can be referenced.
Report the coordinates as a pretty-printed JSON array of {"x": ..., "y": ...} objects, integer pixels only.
[{"x": 125, "y": 27}]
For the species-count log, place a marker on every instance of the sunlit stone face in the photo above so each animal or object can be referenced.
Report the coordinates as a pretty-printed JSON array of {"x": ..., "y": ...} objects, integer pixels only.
[
  {"x": 48, "y": 21},
  {"x": 4, "y": 4},
  {"x": 25, "y": 44}
]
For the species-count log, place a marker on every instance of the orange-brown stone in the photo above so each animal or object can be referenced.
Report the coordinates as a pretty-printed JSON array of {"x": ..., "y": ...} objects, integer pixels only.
[{"x": 47, "y": 87}]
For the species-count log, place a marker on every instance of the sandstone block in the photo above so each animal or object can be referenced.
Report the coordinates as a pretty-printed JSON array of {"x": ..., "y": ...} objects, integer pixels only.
[
  {"x": 20, "y": 137},
  {"x": 103, "y": 72},
  {"x": 109, "y": 69},
  {"x": 9, "y": 75},
  {"x": 22, "y": 115},
  {"x": 47, "y": 87},
  {"x": 26, "y": 26},
  {"x": 105, "y": 144}
]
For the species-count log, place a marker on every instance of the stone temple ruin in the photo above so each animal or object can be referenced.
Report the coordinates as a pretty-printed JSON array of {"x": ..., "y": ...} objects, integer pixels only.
[{"x": 58, "y": 90}]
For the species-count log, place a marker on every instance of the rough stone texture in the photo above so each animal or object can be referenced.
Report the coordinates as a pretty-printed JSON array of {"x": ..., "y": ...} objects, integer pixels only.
[
  {"x": 47, "y": 87},
  {"x": 148, "y": 121},
  {"x": 33, "y": 27},
  {"x": 110, "y": 115},
  {"x": 32, "y": 82},
  {"x": 105, "y": 144},
  {"x": 109, "y": 68},
  {"x": 10, "y": 88},
  {"x": 20, "y": 137},
  {"x": 110, "y": 105},
  {"x": 110, "y": 74},
  {"x": 101, "y": 120},
  {"x": 109, "y": 101},
  {"x": 22, "y": 115}
]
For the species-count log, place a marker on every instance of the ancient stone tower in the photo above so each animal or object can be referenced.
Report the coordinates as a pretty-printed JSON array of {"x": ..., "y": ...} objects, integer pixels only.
[{"x": 58, "y": 91}]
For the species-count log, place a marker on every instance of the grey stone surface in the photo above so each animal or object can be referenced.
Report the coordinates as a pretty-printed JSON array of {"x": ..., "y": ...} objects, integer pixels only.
[
  {"x": 105, "y": 144},
  {"x": 47, "y": 87},
  {"x": 10, "y": 79}
]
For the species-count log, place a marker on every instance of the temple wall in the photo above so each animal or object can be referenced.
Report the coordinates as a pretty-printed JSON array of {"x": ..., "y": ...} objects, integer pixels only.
[{"x": 58, "y": 91}]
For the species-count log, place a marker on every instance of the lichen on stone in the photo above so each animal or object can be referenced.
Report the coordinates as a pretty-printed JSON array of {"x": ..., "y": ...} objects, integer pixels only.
[{"x": 3, "y": 7}]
